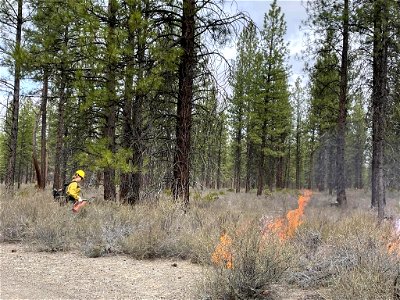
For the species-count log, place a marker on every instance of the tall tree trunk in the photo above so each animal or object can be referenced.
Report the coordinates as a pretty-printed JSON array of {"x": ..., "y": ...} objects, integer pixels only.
[
  {"x": 27, "y": 173},
  {"x": 12, "y": 145},
  {"x": 379, "y": 102},
  {"x": 249, "y": 159},
  {"x": 131, "y": 182},
  {"x": 358, "y": 165},
  {"x": 341, "y": 132},
  {"x": 39, "y": 177},
  {"x": 261, "y": 162},
  {"x": 310, "y": 175},
  {"x": 111, "y": 109},
  {"x": 271, "y": 171},
  {"x": 19, "y": 172},
  {"x": 238, "y": 153},
  {"x": 127, "y": 112},
  {"x": 331, "y": 164},
  {"x": 138, "y": 118},
  {"x": 298, "y": 153},
  {"x": 184, "y": 106},
  {"x": 287, "y": 166},
  {"x": 37, "y": 169},
  {"x": 137, "y": 148},
  {"x": 279, "y": 172},
  {"x": 126, "y": 178},
  {"x": 59, "y": 155},
  {"x": 219, "y": 157},
  {"x": 321, "y": 174},
  {"x": 43, "y": 109},
  {"x": 208, "y": 179},
  {"x": 60, "y": 137}
]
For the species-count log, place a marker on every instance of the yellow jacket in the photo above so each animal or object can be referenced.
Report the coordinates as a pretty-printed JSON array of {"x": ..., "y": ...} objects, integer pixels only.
[{"x": 74, "y": 190}]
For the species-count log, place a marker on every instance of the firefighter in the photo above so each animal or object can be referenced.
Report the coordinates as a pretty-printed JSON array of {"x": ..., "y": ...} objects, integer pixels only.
[{"x": 74, "y": 190}]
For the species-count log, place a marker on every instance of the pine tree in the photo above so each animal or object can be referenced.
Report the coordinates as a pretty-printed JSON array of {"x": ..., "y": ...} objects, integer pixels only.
[
  {"x": 272, "y": 129},
  {"x": 336, "y": 15},
  {"x": 379, "y": 101},
  {"x": 26, "y": 140},
  {"x": 243, "y": 91},
  {"x": 357, "y": 142},
  {"x": 298, "y": 99},
  {"x": 392, "y": 137},
  {"x": 15, "y": 22},
  {"x": 323, "y": 110}
]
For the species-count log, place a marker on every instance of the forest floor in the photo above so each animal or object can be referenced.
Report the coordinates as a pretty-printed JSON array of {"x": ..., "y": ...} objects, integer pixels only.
[{"x": 68, "y": 275}]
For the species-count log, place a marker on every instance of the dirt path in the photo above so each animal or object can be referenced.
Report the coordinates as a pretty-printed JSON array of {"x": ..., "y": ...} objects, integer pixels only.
[
  {"x": 41, "y": 275},
  {"x": 32, "y": 275}
]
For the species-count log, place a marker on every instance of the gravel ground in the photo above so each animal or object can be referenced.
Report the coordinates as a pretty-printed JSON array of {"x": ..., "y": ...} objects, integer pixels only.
[{"x": 41, "y": 275}]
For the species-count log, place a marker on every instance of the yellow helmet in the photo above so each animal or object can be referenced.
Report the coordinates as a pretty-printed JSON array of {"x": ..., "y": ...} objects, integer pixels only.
[{"x": 81, "y": 173}]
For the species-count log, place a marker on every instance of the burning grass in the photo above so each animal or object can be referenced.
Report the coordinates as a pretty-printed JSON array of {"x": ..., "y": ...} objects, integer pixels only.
[
  {"x": 286, "y": 227},
  {"x": 276, "y": 239}
]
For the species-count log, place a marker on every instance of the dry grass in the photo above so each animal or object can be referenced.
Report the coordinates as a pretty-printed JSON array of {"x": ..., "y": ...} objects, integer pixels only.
[
  {"x": 258, "y": 261},
  {"x": 343, "y": 252}
]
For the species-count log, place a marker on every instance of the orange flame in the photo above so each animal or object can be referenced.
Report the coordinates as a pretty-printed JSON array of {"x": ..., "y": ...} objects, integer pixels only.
[
  {"x": 286, "y": 227},
  {"x": 394, "y": 244},
  {"x": 223, "y": 254},
  {"x": 283, "y": 227}
]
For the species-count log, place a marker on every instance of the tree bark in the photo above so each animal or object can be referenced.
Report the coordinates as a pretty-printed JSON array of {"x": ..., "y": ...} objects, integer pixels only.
[
  {"x": 126, "y": 178},
  {"x": 127, "y": 111},
  {"x": 12, "y": 145},
  {"x": 19, "y": 172},
  {"x": 39, "y": 176},
  {"x": 341, "y": 132},
  {"x": 358, "y": 164},
  {"x": 43, "y": 152},
  {"x": 261, "y": 162},
  {"x": 184, "y": 105},
  {"x": 58, "y": 176},
  {"x": 310, "y": 175},
  {"x": 298, "y": 153},
  {"x": 271, "y": 172},
  {"x": 219, "y": 156},
  {"x": 249, "y": 154},
  {"x": 238, "y": 153},
  {"x": 331, "y": 164},
  {"x": 111, "y": 109},
  {"x": 279, "y": 172},
  {"x": 131, "y": 182},
  {"x": 321, "y": 174},
  {"x": 379, "y": 102},
  {"x": 288, "y": 167}
]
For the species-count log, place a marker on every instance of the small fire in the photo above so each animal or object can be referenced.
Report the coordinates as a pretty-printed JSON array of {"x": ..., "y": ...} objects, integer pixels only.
[
  {"x": 286, "y": 227},
  {"x": 394, "y": 244},
  {"x": 283, "y": 227},
  {"x": 223, "y": 252}
]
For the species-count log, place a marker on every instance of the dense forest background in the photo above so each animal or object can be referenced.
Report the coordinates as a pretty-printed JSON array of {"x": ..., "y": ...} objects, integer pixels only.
[{"x": 129, "y": 92}]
